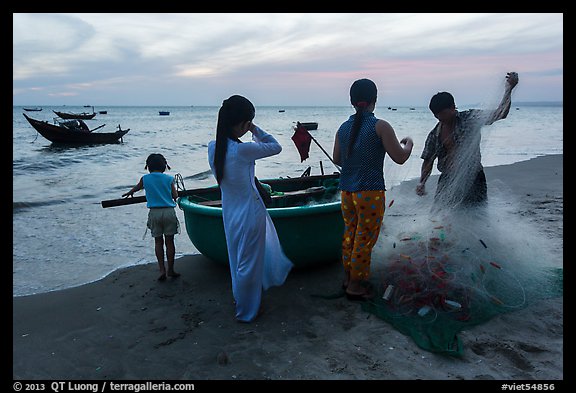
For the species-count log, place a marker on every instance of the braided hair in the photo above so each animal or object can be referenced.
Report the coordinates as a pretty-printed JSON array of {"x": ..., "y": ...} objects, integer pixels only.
[
  {"x": 235, "y": 110},
  {"x": 363, "y": 93}
]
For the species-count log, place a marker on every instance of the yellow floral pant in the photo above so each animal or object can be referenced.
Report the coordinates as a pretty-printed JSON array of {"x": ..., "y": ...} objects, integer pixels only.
[{"x": 362, "y": 212}]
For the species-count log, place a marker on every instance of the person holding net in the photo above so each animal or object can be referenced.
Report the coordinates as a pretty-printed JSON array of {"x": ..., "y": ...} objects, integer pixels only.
[{"x": 455, "y": 142}]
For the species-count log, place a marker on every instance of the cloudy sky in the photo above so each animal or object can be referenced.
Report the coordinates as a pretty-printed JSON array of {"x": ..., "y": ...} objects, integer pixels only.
[{"x": 282, "y": 58}]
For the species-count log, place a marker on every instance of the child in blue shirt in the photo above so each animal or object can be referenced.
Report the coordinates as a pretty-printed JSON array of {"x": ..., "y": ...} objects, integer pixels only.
[{"x": 161, "y": 195}]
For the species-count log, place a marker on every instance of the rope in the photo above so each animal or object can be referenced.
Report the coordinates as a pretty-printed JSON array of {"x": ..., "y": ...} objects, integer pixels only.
[{"x": 179, "y": 182}]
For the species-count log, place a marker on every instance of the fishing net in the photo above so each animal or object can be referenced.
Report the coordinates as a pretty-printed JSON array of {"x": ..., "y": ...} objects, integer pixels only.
[
  {"x": 432, "y": 282},
  {"x": 437, "y": 272},
  {"x": 443, "y": 264}
]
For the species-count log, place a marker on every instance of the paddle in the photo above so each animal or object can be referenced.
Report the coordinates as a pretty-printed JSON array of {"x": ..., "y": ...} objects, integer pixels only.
[
  {"x": 142, "y": 198},
  {"x": 207, "y": 190},
  {"x": 97, "y": 128},
  {"x": 327, "y": 155}
]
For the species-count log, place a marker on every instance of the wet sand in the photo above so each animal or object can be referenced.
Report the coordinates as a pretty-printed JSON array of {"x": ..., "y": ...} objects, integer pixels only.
[{"x": 128, "y": 326}]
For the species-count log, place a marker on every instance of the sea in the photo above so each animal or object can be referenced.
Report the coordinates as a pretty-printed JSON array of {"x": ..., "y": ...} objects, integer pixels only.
[{"x": 63, "y": 237}]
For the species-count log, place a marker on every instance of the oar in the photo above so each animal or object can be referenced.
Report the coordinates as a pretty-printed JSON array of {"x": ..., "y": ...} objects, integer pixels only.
[
  {"x": 327, "y": 155},
  {"x": 97, "y": 128},
  {"x": 207, "y": 190},
  {"x": 140, "y": 199}
]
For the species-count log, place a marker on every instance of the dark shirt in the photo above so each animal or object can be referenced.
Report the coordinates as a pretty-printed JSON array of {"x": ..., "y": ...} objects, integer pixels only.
[
  {"x": 364, "y": 169},
  {"x": 466, "y": 138}
]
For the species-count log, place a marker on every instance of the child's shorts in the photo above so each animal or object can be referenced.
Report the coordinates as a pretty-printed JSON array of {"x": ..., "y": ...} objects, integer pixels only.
[{"x": 163, "y": 221}]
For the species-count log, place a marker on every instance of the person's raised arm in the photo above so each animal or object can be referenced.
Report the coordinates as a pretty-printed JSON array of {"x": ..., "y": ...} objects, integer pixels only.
[
  {"x": 501, "y": 112},
  {"x": 399, "y": 151},
  {"x": 265, "y": 145}
]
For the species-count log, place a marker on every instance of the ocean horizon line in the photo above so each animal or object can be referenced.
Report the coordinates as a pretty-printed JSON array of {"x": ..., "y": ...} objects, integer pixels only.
[{"x": 514, "y": 103}]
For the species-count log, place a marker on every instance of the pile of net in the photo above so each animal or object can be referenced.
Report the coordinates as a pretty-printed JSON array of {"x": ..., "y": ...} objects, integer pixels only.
[{"x": 434, "y": 277}]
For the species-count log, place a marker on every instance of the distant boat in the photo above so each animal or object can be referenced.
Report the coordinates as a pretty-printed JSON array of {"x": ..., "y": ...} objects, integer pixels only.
[
  {"x": 32, "y": 109},
  {"x": 103, "y": 112},
  {"x": 81, "y": 116},
  {"x": 310, "y": 126},
  {"x": 282, "y": 110},
  {"x": 164, "y": 113}
]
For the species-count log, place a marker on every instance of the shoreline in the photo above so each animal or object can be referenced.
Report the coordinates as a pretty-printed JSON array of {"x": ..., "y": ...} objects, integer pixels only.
[{"x": 127, "y": 326}]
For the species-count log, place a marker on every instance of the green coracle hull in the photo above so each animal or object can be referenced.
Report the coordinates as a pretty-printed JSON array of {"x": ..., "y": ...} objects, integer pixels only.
[{"x": 309, "y": 223}]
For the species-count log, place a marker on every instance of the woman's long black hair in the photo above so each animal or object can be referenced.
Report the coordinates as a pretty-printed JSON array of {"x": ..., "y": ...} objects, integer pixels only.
[
  {"x": 234, "y": 110},
  {"x": 363, "y": 93}
]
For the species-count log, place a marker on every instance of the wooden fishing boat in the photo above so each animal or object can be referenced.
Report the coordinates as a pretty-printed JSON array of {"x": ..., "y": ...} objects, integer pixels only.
[
  {"x": 163, "y": 113},
  {"x": 36, "y": 109},
  {"x": 310, "y": 126},
  {"x": 74, "y": 132},
  {"x": 70, "y": 115},
  {"x": 305, "y": 211}
]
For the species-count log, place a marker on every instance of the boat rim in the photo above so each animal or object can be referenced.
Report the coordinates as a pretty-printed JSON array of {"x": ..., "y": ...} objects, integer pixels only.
[{"x": 317, "y": 208}]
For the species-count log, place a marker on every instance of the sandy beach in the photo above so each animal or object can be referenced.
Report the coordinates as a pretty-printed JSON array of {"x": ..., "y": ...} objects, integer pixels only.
[{"x": 128, "y": 326}]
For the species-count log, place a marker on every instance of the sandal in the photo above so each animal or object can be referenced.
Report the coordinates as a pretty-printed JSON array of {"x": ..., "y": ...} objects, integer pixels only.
[
  {"x": 367, "y": 295},
  {"x": 359, "y": 296},
  {"x": 346, "y": 281}
]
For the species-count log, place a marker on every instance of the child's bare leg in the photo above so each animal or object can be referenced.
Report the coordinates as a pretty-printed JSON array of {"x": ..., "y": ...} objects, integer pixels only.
[
  {"x": 159, "y": 250},
  {"x": 170, "y": 255}
]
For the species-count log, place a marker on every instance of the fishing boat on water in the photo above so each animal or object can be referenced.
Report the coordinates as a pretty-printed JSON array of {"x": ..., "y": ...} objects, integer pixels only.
[
  {"x": 71, "y": 115},
  {"x": 305, "y": 211},
  {"x": 310, "y": 126},
  {"x": 74, "y": 131}
]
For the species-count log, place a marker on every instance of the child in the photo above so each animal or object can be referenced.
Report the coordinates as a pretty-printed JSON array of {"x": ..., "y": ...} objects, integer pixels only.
[{"x": 161, "y": 195}]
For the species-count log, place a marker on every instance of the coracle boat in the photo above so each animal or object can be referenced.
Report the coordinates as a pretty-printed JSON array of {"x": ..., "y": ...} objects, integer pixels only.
[
  {"x": 305, "y": 211},
  {"x": 74, "y": 132}
]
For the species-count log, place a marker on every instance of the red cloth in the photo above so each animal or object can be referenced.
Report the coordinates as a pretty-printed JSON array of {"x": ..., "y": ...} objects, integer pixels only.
[{"x": 302, "y": 140}]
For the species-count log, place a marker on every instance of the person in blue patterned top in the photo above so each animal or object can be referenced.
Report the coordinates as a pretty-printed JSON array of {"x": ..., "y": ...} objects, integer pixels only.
[
  {"x": 360, "y": 145},
  {"x": 455, "y": 142}
]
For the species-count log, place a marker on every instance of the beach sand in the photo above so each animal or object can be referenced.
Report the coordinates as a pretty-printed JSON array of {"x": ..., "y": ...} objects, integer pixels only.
[{"x": 128, "y": 326}]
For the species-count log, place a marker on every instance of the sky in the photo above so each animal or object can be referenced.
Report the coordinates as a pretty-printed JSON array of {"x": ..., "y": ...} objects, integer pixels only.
[{"x": 282, "y": 59}]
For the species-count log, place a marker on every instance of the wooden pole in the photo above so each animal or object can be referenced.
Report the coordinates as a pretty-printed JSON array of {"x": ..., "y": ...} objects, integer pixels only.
[
  {"x": 142, "y": 198},
  {"x": 208, "y": 190},
  {"x": 327, "y": 155}
]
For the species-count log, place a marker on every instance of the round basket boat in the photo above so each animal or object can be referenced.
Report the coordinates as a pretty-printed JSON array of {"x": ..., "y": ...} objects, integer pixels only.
[{"x": 305, "y": 211}]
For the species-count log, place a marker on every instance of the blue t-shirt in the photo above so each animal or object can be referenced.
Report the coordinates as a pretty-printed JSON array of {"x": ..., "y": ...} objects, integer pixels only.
[{"x": 158, "y": 187}]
